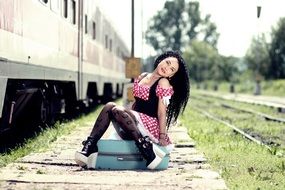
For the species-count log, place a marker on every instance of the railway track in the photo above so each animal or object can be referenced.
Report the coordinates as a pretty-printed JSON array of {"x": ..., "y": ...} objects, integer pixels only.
[
  {"x": 263, "y": 115},
  {"x": 246, "y": 110},
  {"x": 273, "y": 102},
  {"x": 236, "y": 129},
  {"x": 268, "y": 132}
]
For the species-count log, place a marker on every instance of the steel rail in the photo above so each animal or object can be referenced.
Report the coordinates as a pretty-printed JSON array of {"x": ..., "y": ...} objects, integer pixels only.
[
  {"x": 265, "y": 116},
  {"x": 250, "y": 100},
  {"x": 233, "y": 127}
]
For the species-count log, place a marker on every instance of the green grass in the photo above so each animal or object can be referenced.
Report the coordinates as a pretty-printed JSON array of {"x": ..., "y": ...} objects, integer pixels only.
[
  {"x": 243, "y": 164},
  {"x": 275, "y": 87},
  {"x": 236, "y": 104},
  {"x": 270, "y": 131},
  {"x": 269, "y": 87},
  {"x": 43, "y": 140}
]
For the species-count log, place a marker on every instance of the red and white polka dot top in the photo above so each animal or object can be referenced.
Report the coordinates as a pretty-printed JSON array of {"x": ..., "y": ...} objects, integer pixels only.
[{"x": 151, "y": 123}]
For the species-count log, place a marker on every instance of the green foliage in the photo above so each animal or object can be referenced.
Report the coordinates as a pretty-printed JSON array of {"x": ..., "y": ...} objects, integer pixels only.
[
  {"x": 228, "y": 69},
  {"x": 205, "y": 63},
  {"x": 209, "y": 30},
  {"x": 201, "y": 57},
  {"x": 268, "y": 87},
  {"x": 267, "y": 59},
  {"x": 277, "y": 51},
  {"x": 177, "y": 24},
  {"x": 180, "y": 26},
  {"x": 257, "y": 57},
  {"x": 273, "y": 87}
]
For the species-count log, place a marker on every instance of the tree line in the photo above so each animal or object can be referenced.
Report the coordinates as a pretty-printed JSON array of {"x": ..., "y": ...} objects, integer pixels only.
[{"x": 180, "y": 26}]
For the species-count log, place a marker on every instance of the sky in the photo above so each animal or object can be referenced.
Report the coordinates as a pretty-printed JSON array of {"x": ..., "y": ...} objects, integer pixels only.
[{"x": 236, "y": 21}]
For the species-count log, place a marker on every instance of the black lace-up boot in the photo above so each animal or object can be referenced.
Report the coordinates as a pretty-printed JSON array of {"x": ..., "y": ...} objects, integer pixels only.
[
  {"x": 88, "y": 155},
  {"x": 151, "y": 152}
]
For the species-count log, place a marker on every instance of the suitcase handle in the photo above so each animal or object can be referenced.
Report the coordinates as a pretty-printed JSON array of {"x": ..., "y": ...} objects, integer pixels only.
[{"x": 129, "y": 158}]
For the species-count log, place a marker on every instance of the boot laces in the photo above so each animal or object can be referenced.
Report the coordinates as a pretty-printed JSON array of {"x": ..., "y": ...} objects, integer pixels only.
[
  {"x": 87, "y": 144},
  {"x": 146, "y": 147}
]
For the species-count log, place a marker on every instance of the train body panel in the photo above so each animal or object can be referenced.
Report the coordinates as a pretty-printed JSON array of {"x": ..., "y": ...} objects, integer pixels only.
[
  {"x": 3, "y": 83},
  {"x": 63, "y": 51}
]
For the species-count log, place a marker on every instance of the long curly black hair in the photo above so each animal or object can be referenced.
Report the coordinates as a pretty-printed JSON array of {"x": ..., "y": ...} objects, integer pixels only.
[{"x": 181, "y": 86}]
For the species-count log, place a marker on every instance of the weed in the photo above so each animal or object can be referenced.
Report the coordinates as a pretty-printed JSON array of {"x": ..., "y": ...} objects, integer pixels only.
[
  {"x": 22, "y": 168},
  {"x": 40, "y": 172},
  {"x": 242, "y": 163}
]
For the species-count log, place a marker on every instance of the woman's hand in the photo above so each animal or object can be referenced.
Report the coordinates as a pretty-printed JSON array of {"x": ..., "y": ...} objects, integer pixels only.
[
  {"x": 162, "y": 139},
  {"x": 162, "y": 142}
]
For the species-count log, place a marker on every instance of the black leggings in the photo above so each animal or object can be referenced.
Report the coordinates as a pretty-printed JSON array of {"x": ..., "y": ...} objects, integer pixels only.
[{"x": 123, "y": 120}]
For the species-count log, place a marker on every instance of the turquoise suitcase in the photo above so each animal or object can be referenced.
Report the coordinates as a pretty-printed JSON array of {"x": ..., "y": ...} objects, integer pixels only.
[{"x": 123, "y": 155}]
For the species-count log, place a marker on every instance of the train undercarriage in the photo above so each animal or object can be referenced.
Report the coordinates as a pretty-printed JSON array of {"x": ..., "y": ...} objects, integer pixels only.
[{"x": 44, "y": 102}]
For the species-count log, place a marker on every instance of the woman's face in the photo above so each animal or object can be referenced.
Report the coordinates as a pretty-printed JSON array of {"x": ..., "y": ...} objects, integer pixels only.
[{"x": 168, "y": 67}]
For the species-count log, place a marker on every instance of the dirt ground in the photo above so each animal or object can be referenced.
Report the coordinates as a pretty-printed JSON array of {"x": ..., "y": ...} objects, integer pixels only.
[{"x": 55, "y": 169}]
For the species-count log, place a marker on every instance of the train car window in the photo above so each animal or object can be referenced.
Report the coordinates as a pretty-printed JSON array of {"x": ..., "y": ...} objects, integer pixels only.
[
  {"x": 94, "y": 30},
  {"x": 111, "y": 43},
  {"x": 73, "y": 12},
  {"x": 86, "y": 23},
  {"x": 106, "y": 41},
  {"x": 55, "y": 5},
  {"x": 65, "y": 8}
]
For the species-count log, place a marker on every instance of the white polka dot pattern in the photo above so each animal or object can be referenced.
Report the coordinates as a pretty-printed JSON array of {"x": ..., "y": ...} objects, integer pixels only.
[
  {"x": 140, "y": 91},
  {"x": 164, "y": 92},
  {"x": 151, "y": 123}
]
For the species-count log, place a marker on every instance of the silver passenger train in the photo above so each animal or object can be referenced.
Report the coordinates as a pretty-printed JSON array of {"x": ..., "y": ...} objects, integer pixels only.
[{"x": 55, "y": 57}]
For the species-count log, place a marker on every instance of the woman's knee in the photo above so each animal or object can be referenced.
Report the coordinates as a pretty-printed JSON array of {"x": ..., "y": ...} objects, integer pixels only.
[
  {"x": 117, "y": 110},
  {"x": 120, "y": 112},
  {"x": 109, "y": 105}
]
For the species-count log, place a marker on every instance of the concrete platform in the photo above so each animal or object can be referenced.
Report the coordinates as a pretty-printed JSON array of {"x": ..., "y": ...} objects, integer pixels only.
[{"x": 56, "y": 169}]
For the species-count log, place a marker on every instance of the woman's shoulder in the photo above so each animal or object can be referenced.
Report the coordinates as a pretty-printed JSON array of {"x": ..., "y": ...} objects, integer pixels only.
[
  {"x": 164, "y": 89},
  {"x": 164, "y": 83},
  {"x": 142, "y": 75}
]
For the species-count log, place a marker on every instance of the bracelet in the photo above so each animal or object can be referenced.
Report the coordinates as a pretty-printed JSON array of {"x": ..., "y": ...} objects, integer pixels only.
[
  {"x": 162, "y": 134},
  {"x": 162, "y": 138}
]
